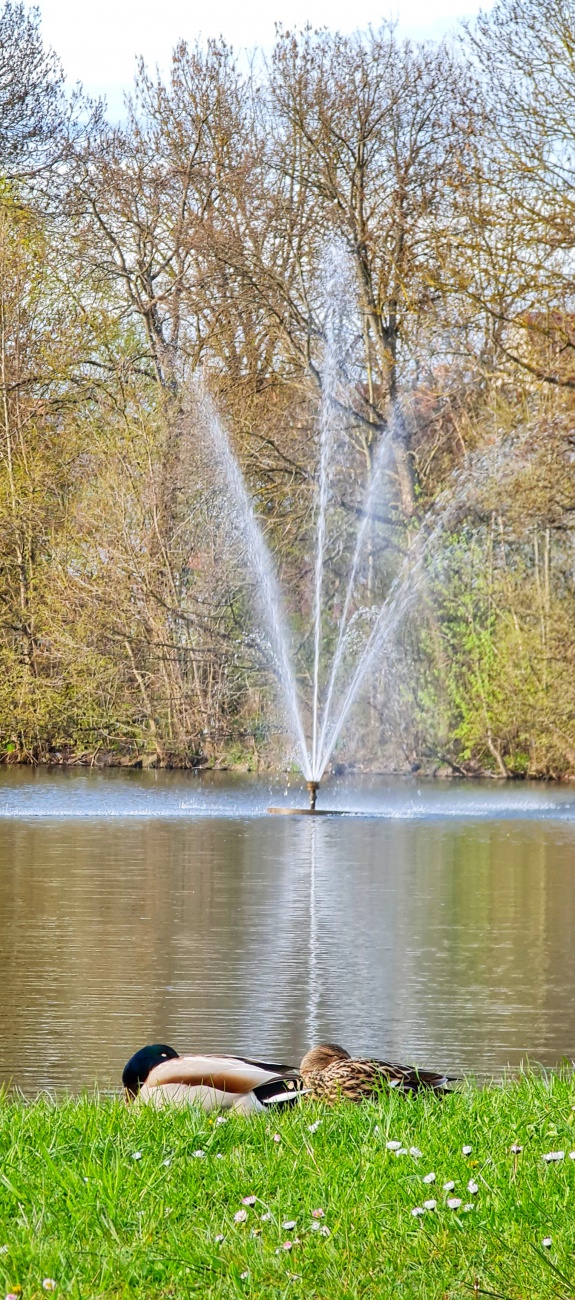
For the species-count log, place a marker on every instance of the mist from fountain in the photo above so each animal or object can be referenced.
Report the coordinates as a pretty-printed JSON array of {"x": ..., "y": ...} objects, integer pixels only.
[
  {"x": 403, "y": 592},
  {"x": 259, "y": 559},
  {"x": 381, "y": 463},
  {"x": 383, "y": 618},
  {"x": 335, "y": 302}
]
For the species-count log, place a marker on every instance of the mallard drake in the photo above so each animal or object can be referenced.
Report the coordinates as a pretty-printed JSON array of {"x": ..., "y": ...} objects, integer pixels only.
[
  {"x": 159, "y": 1076},
  {"x": 330, "y": 1074}
]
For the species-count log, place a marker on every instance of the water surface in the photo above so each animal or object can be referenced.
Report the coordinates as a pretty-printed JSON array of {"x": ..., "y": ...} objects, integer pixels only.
[{"x": 435, "y": 927}]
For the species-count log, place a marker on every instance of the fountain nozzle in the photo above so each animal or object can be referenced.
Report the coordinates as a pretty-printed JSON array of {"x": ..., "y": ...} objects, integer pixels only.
[{"x": 313, "y": 787}]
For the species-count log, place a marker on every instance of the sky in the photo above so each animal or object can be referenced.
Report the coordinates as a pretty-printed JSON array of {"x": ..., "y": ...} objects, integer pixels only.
[{"x": 98, "y": 43}]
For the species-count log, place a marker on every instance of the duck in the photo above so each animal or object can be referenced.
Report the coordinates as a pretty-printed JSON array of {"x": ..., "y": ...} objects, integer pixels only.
[
  {"x": 159, "y": 1076},
  {"x": 330, "y": 1074}
]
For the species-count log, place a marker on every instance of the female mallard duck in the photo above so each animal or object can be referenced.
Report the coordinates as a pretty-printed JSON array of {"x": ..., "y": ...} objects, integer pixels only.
[
  {"x": 330, "y": 1074},
  {"x": 157, "y": 1075}
]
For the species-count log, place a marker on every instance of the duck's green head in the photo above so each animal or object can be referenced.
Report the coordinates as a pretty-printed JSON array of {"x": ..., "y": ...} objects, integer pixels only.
[{"x": 139, "y": 1065}]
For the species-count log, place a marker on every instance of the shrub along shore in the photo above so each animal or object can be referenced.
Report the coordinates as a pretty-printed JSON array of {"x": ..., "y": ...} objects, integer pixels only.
[{"x": 415, "y": 1198}]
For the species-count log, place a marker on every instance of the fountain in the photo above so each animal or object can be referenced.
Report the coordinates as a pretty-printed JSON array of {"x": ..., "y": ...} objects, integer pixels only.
[{"x": 382, "y": 618}]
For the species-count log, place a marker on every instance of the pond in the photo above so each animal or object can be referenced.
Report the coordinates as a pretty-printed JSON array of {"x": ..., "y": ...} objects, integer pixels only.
[{"x": 436, "y": 927}]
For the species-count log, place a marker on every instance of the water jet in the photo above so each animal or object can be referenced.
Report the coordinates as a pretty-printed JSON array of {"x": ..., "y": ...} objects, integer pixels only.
[
  {"x": 312, "y": 811},
  {"x": 368, "y": 618},
  {"x": 313, "y": 787}
]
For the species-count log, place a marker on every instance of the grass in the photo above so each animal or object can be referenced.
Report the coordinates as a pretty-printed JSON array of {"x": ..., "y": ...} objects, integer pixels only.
[{"x": 108, "y": 1201}]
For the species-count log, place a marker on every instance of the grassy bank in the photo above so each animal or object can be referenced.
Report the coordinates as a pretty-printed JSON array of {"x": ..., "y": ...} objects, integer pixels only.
[{"x": 110, "y": 1202}]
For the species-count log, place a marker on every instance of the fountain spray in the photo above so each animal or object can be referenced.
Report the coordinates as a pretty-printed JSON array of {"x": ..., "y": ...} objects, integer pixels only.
[{"x": 328, "y": 716}]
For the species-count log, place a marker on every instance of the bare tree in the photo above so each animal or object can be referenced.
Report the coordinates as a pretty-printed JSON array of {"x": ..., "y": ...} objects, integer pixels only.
[
  {"x": 517, "y": 203},
  {"x": 38, "y": 120}
]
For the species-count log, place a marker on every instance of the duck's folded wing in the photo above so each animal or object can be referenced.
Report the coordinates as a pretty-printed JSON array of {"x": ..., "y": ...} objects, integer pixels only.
[
  {"x": 264, "y": 1065},
  {"x": 280, "y": 1091},
  {"x": 227, "y": 1074},
  {"x": 411, "y": 1079}
]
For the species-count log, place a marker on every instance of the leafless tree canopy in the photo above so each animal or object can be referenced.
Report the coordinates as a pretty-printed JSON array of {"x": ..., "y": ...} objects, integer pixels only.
[{"x": 196, "y": 243}]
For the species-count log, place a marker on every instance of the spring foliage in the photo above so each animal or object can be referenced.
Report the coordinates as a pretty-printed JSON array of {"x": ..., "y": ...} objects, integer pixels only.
[{"x": 187, "y": 245}]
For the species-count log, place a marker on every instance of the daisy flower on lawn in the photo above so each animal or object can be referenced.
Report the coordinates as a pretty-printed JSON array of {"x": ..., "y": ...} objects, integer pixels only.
[
  {"x": 429, "y": 1178},
  {"x": 553, "y": 1156},
  {"x": 453, "y": 1202},
  {"x": 240, "y": 1216},
  {"x": 249, "y": 1200}
]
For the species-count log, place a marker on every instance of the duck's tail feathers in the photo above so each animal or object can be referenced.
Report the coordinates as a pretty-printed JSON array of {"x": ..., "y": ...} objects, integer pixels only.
[
  {"x": 414, "y": 1080},
  {"x": 287, "y": 1089}
]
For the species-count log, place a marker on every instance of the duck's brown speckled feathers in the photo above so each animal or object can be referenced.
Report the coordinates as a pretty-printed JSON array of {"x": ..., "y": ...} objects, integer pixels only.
[{"x": 358, "y": 1080}]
